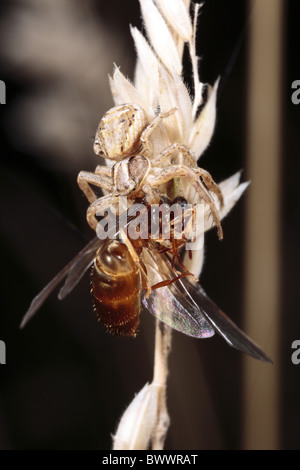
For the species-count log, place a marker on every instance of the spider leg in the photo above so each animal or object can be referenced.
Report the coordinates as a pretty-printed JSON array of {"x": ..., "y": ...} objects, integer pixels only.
[
  {"x": 104, "y": 171},
  {"x": 177, "y": 171},
  {"x": 100, "y": 178},
  {"x": 136, "y": 259},
  {"x": 144, "y": 139},
  {"x": 98, "y": 207},
  {"x": 210, "y": 184},
  {"x": 168, "y": 152}
]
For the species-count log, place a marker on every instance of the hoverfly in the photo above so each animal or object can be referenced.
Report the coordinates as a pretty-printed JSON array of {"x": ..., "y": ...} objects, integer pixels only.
[{"x": 174, "y": 300}]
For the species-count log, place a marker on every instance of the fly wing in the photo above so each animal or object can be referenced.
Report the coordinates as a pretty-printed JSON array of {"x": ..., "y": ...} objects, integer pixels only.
[
  {"x": 222, "y": 323},
  {"x": 85, "y": 257},
  {"x": 78, "y": 266},
  {"x": 172, "y": 304},
  {"x": 186, "y": 307},
  {"x": 81, "y": 263}
]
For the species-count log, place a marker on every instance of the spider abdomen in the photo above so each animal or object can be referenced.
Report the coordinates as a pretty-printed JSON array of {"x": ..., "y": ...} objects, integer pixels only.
[{"x": 119, "y": 131}]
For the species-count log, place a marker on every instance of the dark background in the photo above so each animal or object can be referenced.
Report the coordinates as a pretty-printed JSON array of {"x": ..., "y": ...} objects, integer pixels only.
[{"x": 66, "y": 382}]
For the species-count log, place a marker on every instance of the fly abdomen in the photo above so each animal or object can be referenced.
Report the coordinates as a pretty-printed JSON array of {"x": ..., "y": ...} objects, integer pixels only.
[{"x": 116, "y": 288}]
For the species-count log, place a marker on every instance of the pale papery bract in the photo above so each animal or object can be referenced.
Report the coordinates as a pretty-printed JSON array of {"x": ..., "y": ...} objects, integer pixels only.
[
  {"x": 136, "y": 425},
  {"x": 159, "y": 86}
]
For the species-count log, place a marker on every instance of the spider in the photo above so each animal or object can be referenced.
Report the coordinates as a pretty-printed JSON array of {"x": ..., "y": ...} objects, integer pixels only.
[{"x": 123, "y": 136}]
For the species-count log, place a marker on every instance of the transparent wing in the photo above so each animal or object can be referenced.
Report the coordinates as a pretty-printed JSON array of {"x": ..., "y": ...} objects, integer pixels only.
[
  {"x": 172, "y": 304},
  {"x": 82, "y": 260},
  {"x": 78, "y": 266},
  {"x": 222, "y": 324},
  {"x": 186, "y": 307},
  {"x": 82, "y": 263}
]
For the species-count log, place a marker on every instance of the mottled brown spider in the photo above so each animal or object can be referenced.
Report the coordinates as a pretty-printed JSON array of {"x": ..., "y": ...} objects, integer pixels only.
[{"x": 123, "y": 136}]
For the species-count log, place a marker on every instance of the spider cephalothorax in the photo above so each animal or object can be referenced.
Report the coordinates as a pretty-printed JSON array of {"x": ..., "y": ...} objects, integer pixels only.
[{"x": 123, "y": 136}]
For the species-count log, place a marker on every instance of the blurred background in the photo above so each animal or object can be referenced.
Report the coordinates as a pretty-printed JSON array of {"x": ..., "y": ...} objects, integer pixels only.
[{"x": 67, "y": 382}]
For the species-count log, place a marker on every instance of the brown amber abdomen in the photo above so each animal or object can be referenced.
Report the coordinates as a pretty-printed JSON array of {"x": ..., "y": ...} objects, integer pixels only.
[{"x": 116, "y": 288}]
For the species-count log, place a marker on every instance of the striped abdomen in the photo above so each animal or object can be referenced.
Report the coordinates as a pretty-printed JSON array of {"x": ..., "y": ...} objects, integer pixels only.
[{"x": 116, "y": 288}]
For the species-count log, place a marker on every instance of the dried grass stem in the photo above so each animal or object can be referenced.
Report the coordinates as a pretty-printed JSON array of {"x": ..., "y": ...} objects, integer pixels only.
[{"x": 163, "y": 337}]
